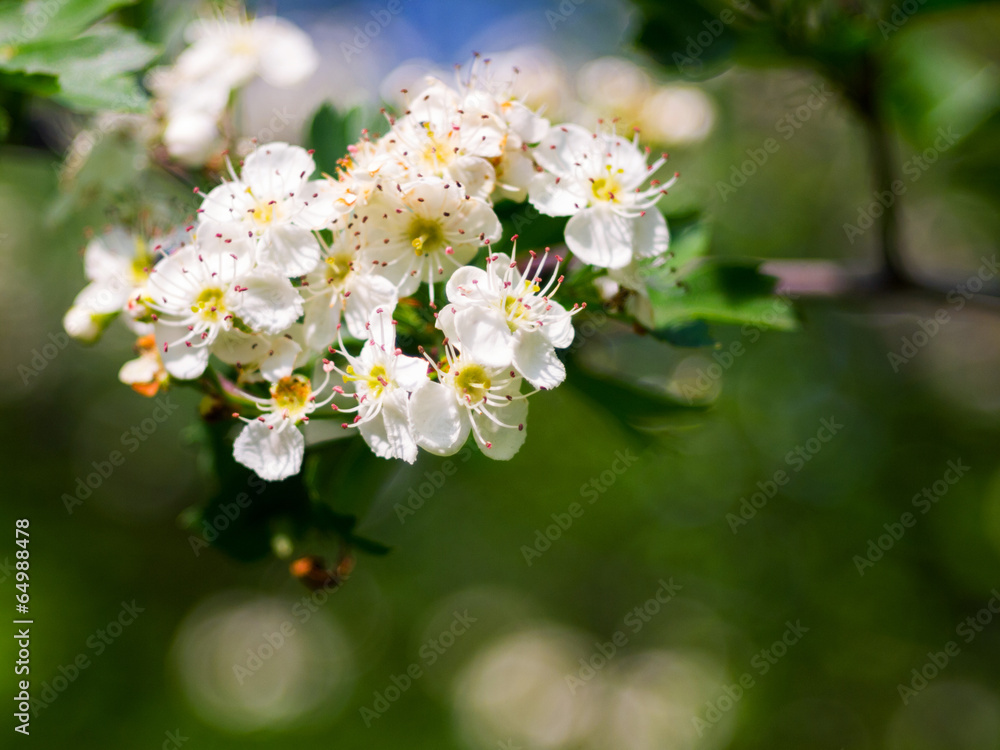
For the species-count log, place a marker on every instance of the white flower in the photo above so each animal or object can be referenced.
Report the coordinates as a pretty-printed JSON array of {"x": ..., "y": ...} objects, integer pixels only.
[
  {"x": 117, "y": 264},
  {"x": 486, "y": 92},
  {"x": 382, "y": 377},
  {"x": 232, "y": 51},
  {"x": 274, "y": 356},
  {"x": 470, "y": 396},
  {"x": 596, "y": 179},
  {"x": 499, "y": 317},
  {"x": 271, "y": 444},
  {"x": 439, "y": 137},
  {"x": 277, "y": 204},
  {"x": 343, "y": 287},
  {"x": 413, "y": 232},
  {"x": 201, "y": 290},
  {"x": 192, "y": 137}
]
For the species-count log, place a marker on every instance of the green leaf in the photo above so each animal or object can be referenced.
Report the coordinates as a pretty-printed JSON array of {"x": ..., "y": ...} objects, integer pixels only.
[
  {"x": 54, "y": 20},
  {"x": 330, "y": 133},
  {"x": 718, "y": 292},
  {"x": 92, "y": 71}
]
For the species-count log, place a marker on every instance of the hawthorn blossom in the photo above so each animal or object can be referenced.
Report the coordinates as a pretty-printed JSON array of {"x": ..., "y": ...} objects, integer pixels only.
[
  {"x": 277, "y": 204},
  {"x": 342, "y": 287},
  {"x": 271, "y": 444},
  {"x": 272, "y": 356},
  {"x": 438, "y": 137},
  {"x": 117, "y": 264},
  {"x": 596, "y": 179},
  {"x": 412, "y": 233},
  {"x": 224, "y": 54},
  {"x": 469, "y": 396},
  {"x": 209, "y": 288},
  {"x": 501, "y": 317},
  {"x": 382, "y": 378}
]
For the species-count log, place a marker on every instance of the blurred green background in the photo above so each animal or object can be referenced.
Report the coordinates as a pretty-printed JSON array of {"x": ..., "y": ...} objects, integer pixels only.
[{"x": 809, "y": 555}]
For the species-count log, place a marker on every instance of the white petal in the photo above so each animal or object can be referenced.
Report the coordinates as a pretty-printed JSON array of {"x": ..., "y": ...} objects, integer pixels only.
[
  {"x": 535, "y": 358},
  {"x": 438, "y": 423},
  {"x": 601, "y": 237},
  {"x": 389, "y": 435},
  {"x": 463, "y": 283},
  {"x": 563, "y": 147},
  {"x": 139, "y": 370},
  {"x": 484, "y": 336},
  {"x": 504, "y": 441},
  {"x": 287, "y": 55},
  {"x": 368, "y": 292},
  {"x": 554, "y": 198},
  {"x": 651, "y": 236},
  {"x": 274, "y": 454},
  {"x": 269, "y": 303},
  {"x": 322, "y": 313},
  {"x": 476, "y": 176},
  {"x": 291, "y": 250},
  {"x": 279, "y": 361},
  {"x": 180, "y": 360},
  {"x": 381, "y": 329},
  {"x": 410, "y": 372},
  {"x": 558, "y": 328},
  {"x": 277, "y": 169},
  {"x": 320, "y": 201}
]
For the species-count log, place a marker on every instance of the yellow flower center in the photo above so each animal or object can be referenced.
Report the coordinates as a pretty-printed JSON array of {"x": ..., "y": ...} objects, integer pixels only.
[
  {"x": 473, "y": 381},
  {"x": 377, "y": 379},
  {"x": 210, "y": 304},
  {"x": 426, "y": 236},
  {"x": 337, "y": 269},
  {"x": 292, "y": 393},
  {"x": 606, "y": 188}
]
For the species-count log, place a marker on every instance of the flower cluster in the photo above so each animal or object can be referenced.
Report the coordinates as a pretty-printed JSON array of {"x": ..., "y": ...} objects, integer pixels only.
[{"x": 287, "y": 274}]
